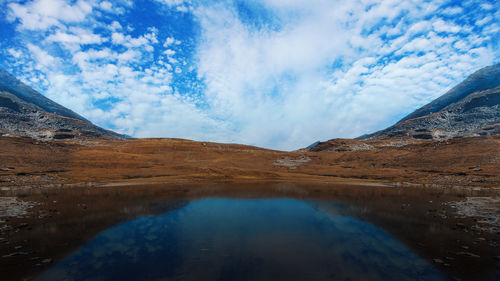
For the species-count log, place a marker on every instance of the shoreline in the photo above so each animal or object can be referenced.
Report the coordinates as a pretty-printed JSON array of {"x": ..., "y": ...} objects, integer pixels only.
[{"x": 14, "y": 188}]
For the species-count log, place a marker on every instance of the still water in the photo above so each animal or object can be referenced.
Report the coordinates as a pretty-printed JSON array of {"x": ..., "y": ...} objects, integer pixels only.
[{"x": 242, "y": 239}]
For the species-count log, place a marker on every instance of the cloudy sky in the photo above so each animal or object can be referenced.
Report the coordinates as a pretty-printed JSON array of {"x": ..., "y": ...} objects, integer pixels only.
[{"x": 272, "y": 73}]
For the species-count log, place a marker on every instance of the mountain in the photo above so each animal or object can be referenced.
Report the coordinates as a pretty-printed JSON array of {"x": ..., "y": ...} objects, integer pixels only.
[
  {"x": 471, "y": 108},
  {"x": 25, "y": 112}
]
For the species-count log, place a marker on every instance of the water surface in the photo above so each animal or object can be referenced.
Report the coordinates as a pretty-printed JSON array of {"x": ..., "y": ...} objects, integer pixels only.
[{"x": 245, "y": 239}]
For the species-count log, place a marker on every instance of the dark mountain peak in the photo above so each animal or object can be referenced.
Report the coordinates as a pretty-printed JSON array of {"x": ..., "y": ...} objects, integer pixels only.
[
  {"x": 483, "y": 79},
  {"x": 471, "y": 108},
  {"x": 11, "y": 84},
  {"x": 25, "y": 112}
]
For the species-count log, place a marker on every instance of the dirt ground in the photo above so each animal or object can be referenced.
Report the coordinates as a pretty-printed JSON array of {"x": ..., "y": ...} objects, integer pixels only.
[{"x": 460, "y": 162}]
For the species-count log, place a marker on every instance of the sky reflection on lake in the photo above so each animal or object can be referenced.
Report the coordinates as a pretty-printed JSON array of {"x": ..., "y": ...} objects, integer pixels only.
[{"x": 235, "y": 239}]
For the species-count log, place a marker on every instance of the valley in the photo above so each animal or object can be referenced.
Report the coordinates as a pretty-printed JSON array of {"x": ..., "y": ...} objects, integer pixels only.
[{"x": 429, "y": 185}]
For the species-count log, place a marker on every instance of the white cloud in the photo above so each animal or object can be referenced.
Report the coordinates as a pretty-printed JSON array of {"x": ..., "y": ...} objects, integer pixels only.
[
  {"x": 118, "y": 38},
  {"x": 106, "y": 6},
  {"x": 484, "y": 20},
  {"x": 183, "y": 6},
  {"x": 130, "y": 42},
  {"x": 43, "y": 59},
  {"x": 43, "y": 14},
  {"x": 115, "y": 26},
  {"x": 15, "y": 53},
  {"x": 128, "y": 56},
  {"x": 171, "y": 41},
  {"x": 451, "y": 11},
  {"x": 487, "y": 6},
  {"x": 442, "y": 26},
  {"x": 169, "y": 52},
  {"x": 77, "y": 36},
  {"x": 418, "y": 44},
  {"x": 421, "y": 26}
]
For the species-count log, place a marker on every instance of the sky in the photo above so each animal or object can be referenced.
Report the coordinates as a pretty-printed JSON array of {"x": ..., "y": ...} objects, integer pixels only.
[{"x": 278, "y": 74}]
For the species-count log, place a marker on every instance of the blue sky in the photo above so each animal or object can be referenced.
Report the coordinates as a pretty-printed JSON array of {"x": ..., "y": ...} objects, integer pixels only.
[{"x": 272, "y": 73}]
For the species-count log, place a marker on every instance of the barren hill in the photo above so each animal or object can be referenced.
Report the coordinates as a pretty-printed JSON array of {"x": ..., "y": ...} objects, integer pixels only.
[
  {"x": 472, "y": 108},
  {"x": 25, "y": 112}
]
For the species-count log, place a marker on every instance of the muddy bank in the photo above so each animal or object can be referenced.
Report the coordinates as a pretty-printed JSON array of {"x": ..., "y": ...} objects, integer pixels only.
[{"x": 425, "y": 220}]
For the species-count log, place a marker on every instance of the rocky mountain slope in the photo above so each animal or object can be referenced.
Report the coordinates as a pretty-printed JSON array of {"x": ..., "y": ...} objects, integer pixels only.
[
  {"x": 472, "y": 108},
  {"x": 25, "y": 112}
]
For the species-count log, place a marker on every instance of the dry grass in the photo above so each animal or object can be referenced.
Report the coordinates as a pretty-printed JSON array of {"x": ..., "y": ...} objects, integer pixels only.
[{"x": 463, "y": 162}]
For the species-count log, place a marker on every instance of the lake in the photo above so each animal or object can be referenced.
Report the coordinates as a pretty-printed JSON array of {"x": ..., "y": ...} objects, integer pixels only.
[
  {"x": 248, "y": 231},
  {"x": 245, "y": 239}
]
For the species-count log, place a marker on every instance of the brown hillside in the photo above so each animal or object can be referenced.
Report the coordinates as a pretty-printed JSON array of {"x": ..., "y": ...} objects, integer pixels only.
[{"x": 464, "y": 162}]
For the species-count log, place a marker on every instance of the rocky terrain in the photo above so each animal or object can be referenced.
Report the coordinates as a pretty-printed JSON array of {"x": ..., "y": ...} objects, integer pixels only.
[
  {"x": 472, "y": 108},
  {"x": 26, "y": 113}
]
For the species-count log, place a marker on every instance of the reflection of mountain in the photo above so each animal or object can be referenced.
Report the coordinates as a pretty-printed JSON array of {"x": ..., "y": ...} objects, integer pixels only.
[
  {"x": 471, "y": 108},
  {"x": 228, "y": 239},
  {"x": 25, "y": 112}
]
